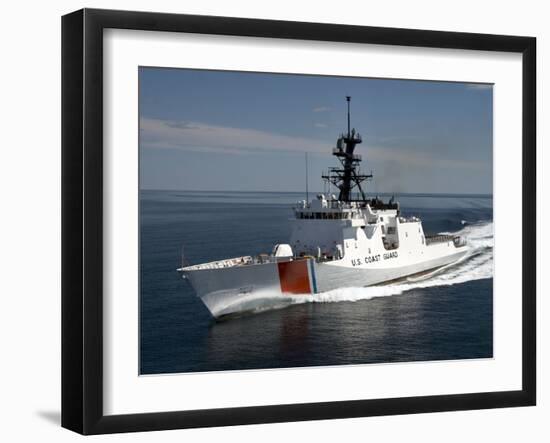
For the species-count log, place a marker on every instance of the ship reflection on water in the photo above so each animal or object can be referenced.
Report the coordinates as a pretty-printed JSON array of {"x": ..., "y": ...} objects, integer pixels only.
[{"x": 282, "y": 335}]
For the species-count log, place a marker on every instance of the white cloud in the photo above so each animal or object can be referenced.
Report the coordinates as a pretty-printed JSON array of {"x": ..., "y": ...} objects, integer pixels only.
[
  {"x": 321, "y": 109},
  {"x": 203, "y": 137},
  {"x": 207, "y": 138}
]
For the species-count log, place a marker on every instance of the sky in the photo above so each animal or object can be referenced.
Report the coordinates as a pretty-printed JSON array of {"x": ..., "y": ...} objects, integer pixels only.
[{"x": 238, "y": 131}]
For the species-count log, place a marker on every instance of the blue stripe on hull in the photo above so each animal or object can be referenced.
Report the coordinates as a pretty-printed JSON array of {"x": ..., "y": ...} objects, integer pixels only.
[{"x": 313, "y": 278}]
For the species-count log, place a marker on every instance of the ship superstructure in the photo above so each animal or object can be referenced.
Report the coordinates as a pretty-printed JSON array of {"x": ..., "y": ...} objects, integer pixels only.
[{"x": 340, "y": 241}]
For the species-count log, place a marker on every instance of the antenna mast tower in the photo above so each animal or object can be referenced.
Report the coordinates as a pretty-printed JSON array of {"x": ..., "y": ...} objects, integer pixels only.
[{"x": 347, "y": 177}]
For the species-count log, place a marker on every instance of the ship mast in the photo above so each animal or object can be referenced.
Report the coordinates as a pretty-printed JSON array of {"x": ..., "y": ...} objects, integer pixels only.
[{"x": 347, "y": 177}]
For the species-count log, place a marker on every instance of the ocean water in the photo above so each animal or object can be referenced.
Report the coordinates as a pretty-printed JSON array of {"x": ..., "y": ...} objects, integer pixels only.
[{"x": 445, "y": 315}]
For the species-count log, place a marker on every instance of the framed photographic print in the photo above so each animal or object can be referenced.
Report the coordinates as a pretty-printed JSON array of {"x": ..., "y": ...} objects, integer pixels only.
[{"x": 269, "y": 221}]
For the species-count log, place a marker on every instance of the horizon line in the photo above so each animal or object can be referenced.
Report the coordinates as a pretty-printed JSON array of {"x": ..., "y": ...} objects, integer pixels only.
[{"x": 464, "y": 194}]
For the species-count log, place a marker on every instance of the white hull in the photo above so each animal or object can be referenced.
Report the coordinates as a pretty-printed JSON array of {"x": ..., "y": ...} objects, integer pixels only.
[
  {"x": 334, "y": 277},
  {"x": 245, "y": 288}
]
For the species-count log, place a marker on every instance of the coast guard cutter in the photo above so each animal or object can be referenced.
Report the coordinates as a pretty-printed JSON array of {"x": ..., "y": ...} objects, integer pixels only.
[{"x": 336, "y": 242}]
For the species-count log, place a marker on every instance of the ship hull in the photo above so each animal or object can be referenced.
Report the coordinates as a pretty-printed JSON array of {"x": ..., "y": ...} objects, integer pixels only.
[
  {"x": 246, "y": 288},
  {"x": 333, "y": 277},
  {"x": 229, "y": 290}
]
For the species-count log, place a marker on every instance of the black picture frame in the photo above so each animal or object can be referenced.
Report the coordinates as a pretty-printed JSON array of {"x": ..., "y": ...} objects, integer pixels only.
[{"x": 82, "y": 220}]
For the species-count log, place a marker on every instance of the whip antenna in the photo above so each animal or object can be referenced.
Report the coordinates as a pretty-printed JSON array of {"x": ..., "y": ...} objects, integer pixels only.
[
  {"x": 348, "y": 99},
  {"x": 307, "y": 189}
]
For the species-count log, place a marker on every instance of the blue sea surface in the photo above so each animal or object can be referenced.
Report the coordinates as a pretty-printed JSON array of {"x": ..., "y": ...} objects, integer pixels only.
[{"x": 447, "y": 315}]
